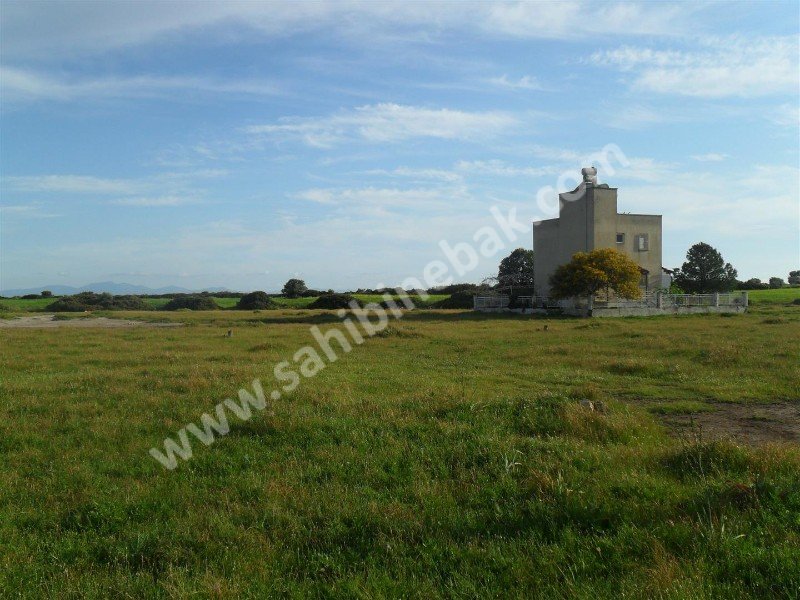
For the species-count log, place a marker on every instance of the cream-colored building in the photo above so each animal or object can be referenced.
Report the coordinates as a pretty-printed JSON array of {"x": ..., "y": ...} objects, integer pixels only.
[{"x": 588, "y": 220}]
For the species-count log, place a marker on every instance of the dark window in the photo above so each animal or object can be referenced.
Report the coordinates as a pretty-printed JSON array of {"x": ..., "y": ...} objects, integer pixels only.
[{"x": 620, "y": 238}]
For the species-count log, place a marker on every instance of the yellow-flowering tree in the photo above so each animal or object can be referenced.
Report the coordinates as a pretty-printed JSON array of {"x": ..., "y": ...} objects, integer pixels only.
[{"x": 589, "y": 272}]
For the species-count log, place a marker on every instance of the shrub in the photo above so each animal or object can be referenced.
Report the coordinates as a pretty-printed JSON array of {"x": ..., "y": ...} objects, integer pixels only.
[
  {"x": 458, "y": 300},
  {"x": 191, "y": 303},
  {"x": 31, "y": 297},
  {"x": 255, "y": 301},
  {"x": 92, "y": 301},
  {"x": 334, "y": 301}
]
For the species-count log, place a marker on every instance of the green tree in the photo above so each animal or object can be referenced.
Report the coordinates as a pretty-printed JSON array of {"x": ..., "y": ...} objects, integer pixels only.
[
  {"x": 589, "y": 272},
  {"x": 776, "y": 282},
  {"x": 294, "y": 288},
  {"x": 516, "y": 268},
  {"x": 794, "y": 277},
  {"x": 47, "y": 294},
  {"x": 705, "y": 271}
]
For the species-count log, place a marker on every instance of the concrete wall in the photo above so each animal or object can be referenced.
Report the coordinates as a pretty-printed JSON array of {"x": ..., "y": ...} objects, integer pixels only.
[
  {"x": 546, "y": 255},
  {"x": 651, "y": 311},
  {"x": 650, "y": 259}
]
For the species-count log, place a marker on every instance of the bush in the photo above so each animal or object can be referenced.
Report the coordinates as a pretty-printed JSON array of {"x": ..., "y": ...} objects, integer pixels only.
[
  {"x": 92, "y": 301},
  {"x": 458, "y": 300},
  {"x": 31, "y": 297},
  {"x": 334, "y": 301},
  {"x": 255, "y": 301},
  {"x": 457, "y": 287},
  {"x": 192, "y": 303}
]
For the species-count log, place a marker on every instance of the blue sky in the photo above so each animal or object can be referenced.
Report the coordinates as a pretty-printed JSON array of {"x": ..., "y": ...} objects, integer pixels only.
[{"x": 239, "y": 144}]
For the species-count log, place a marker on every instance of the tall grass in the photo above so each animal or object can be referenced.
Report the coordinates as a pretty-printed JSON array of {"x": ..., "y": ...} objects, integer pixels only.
[{"x": 451, "y": 457}]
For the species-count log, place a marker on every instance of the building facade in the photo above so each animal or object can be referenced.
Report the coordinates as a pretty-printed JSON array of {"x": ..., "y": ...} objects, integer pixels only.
[{"x": 588, "y": 220}]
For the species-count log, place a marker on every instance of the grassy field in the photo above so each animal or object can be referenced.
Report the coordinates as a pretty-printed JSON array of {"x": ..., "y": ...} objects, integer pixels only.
[
  {"x": 449, "y": 456},
  {"x": 779, "y": 296},
  {"x": 40, "y": 304}
]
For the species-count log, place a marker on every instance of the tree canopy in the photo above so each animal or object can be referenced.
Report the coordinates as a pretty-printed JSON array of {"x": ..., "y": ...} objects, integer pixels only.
[
  {"x": 294, "y": 288},
  {"x": 705, "y": 271},
  {"x": 516, "y": 268},
  {"x": 589, "y": 272},
  {"x": 794, "y": 277},
  {"x": 776, "y": 282}
]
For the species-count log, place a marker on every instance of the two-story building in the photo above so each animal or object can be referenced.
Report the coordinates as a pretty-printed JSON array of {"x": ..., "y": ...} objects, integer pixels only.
[{"x": 588, "y": 220}]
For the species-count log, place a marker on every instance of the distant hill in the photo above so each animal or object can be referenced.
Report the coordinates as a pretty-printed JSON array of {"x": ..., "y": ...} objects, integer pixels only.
[{"x": 105, "y": 286}]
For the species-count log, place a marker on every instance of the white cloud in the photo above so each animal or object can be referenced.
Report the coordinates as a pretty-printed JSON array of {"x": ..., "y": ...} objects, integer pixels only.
[
  {"x": 72, "y": 184},
  {"x": 26, "y": 211},
  {"x": 388, "y": 123},
  {"x": 25, "y": 85},
  {"x": 419, "y": 174},
  {"x": 384, "y": 201},
  {"x": 155, "y": 201},
  {"x": 498, "y": 167},
  {"x": 172, "y": 188},
  {"x": 733, "y": 66},
  {"x": 786, "y": 115},
  {"x": 54, "y": 29},
  {"x": 571, "y": 20},
  {"x": 320, "y": 196},
  {"x": 523, "y": 83},
  {"x": 753, "y": 203},
  {"x": 710, "y": 157}
]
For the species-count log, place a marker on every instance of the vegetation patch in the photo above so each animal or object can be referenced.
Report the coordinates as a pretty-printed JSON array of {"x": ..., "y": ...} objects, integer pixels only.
[
  {"x": 191, "y": 303},
  {"x": 462, "y": 299},
  {"x": 706, "y": 459},
  {"x": 680, "y": 407},
  {"x": 398, "y": 332},
  {"x": 638, "y": 368},
  {"x": 335, "y": 301},
  {"x": 92, "y": 301},
  {"x": 255, "y": 301}
]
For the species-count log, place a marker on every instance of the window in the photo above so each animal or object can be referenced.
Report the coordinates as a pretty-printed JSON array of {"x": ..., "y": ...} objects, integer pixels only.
[
  {"x": 620, "y": 238},
  {"x": 642, "y": 243}
]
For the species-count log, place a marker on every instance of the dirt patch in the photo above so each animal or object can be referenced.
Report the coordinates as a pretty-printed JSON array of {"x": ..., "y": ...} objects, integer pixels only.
[
  {"x": 50, "y": 322},
  {"x": 752, "y": 424}
]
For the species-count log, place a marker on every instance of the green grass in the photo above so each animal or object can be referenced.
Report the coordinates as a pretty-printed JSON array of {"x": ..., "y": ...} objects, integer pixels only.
[
  {"x": 680, "y": 407},
  {"x": 449, "y": 457},
  {"x": 20, "y": 305},
  {"x": 779, "y": 296}
]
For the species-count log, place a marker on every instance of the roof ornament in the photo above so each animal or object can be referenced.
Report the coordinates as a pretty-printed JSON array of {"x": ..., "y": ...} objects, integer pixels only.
[{"x": 589, "y": 175}]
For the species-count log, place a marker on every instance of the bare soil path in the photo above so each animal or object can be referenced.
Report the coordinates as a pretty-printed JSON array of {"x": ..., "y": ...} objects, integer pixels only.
[
  {"x": 50, "y": 322},
  {"x": 752, "y": 424}
]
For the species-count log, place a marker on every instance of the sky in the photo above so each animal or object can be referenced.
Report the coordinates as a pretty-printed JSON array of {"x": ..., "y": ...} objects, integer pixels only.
[{"x": 240, "y": 144}]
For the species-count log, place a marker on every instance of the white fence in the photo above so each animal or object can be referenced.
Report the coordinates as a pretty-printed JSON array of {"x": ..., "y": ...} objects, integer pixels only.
[{"x": 648, "y": 300}]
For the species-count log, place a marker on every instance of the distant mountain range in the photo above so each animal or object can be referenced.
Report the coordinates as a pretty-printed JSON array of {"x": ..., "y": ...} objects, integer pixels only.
[{"x": 106, "y": 286}]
